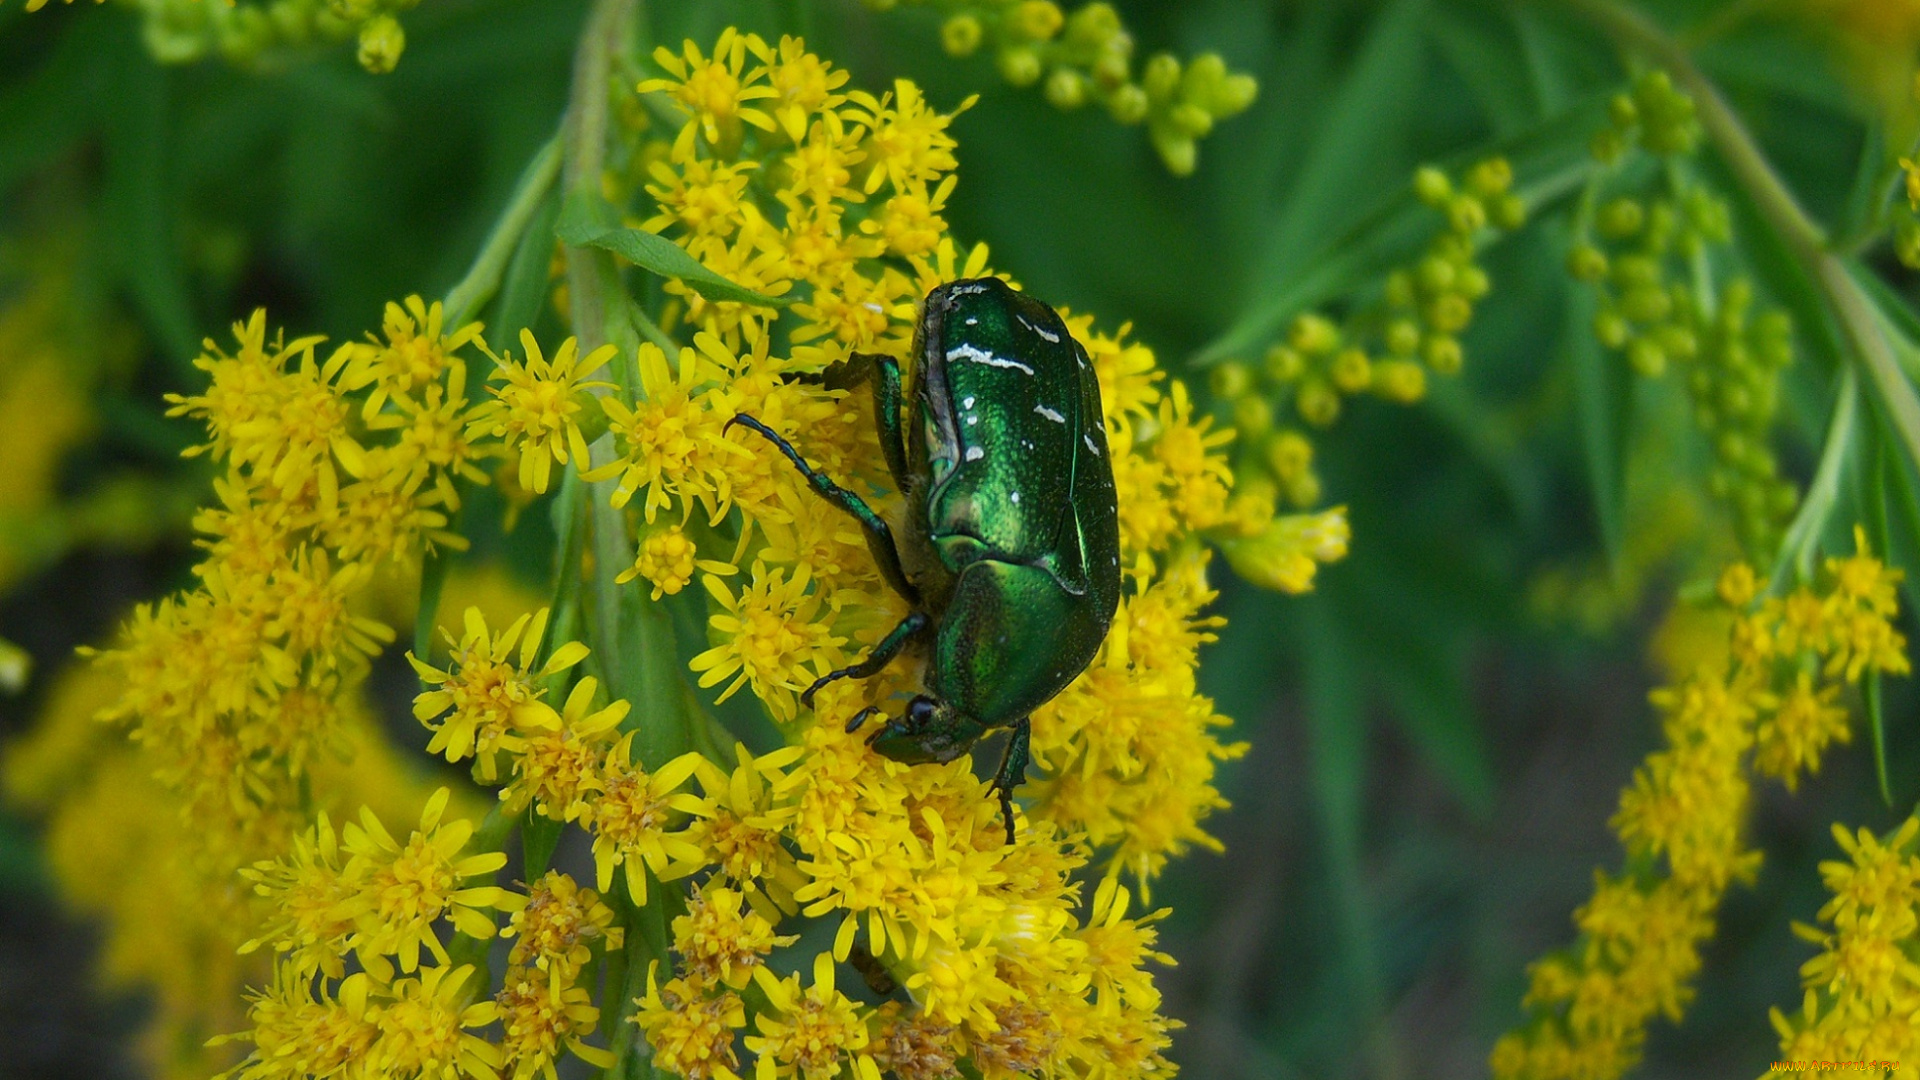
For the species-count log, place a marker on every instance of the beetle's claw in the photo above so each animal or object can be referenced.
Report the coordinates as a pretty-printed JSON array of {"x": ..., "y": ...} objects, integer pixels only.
[{"x": 859, "y": 718}]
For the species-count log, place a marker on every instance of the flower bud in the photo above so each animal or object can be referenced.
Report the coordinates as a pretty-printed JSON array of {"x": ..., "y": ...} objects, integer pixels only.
[
  {"x": 1282, "y": 364},
  {"x": 1161, "y": 77},
  {"x": 1039, "y": 20},
  {"x": 1128, "y": 104},
  {"x": 1401, "y": 381},
  {"x": 1253, "y": 415},
  {"x": 1431, "y": 186},
  {"x": 960, "y": 35},
  {"x": 1066, "y": 88},
  {"x": 1586, "y": 263},
  {"x": 381, "y": 42},
  {"x": 1289, "y": 455},
  {"x": 1352, "y": 372},
  {"x": 1491, "y": 178},
  {"x": 1466, "y": 214},
  {"x": 1313, "y": 334},
  {"x": 1442, "y": 354},
  {"x": 1230, "y": 380},
  {"x": 1317, "y": 403},
  {"x": 1019, "y": 65}
]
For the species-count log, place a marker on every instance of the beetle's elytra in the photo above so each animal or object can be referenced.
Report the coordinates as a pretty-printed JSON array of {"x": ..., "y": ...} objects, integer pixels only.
[{"x": 1010, "y": 547}]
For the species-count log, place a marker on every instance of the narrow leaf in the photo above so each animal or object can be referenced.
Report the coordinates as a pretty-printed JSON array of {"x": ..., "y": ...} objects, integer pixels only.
[
  {"x": 525, "y": 286},
  {"x": 585, "y": 222},
  {"x": 539, "y": 835},
  {"x": 1603, "y": 407}
]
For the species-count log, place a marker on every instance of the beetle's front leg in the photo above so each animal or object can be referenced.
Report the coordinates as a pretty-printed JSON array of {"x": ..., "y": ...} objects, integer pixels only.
[
  {"x": 1013, "y": 769},
  {"x": 879, "y": 535},
  {"x": 883, "y": 372},
  {"x": 915, "y": 624}
]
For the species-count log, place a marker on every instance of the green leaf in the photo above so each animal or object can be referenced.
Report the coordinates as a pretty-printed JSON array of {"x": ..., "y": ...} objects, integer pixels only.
[
  {"x": 586, "y": 221},
  {"x": 434, "y": 564},
  {"x": 539, "y": 835},
  {"x": 1336, "y": 718},
  {"x": 140, "y": 204},
  {"x": 1876, "y": 723},
  {"x": 525, "y": 288},
  {"x": 1603, "y": 408},
  {"x": 1871, "y": 495},
  {"x": 1359, "y": 131}
]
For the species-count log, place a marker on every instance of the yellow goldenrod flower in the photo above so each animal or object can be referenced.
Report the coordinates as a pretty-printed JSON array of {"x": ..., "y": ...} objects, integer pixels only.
[
  {"x": 690, "y": 1031},
  {"x": 415, "y": 356},
  {"x": 402, "y": 890},
  {"x": 540, "y": 1019},
  {"x": 629, "y": 821},
  {"x": 281, "y": 427},
  {"x": 715, "y": 91},
  {"x": 673, "y": 440},
  {"x": 809, "y": 1034},
  {"x": 425, "y": 1029},
  {"x": 536, "y": 412},
  {"x": 739, "y": 823},
  {"x": 491, "y": 697},
  {"x": 1764, "y": 705},
  {"x": 311, "y": 896},
  {"x": 720, "y": 941},
  {"x": 297, "y": 1034},
  {"x": 1862, "y": 990},
  {"x": 1288, "y": 552},
  {"x": 556, "y": 927},
  {"x": 557, "y": 764},
  {"x": 771, "y": 638}
]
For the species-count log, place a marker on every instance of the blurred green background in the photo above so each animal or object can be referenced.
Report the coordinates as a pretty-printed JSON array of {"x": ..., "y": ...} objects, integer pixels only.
[{"x": 1437, "y": 742}]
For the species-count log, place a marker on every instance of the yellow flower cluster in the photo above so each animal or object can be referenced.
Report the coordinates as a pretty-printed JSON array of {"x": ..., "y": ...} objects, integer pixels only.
[
  {"x": 339, "y": 466},
  {"x": 242, "y": 695},
  {"x": 1863, "y": 990},
  {"x": 1767, "y": 706},
  {"x": 363, "y": 892}
]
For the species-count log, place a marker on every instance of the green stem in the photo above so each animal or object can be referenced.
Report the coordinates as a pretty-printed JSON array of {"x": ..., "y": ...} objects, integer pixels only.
[
  {"x": 1807, "y": 240},
  {"x": 465, "y": 298}
]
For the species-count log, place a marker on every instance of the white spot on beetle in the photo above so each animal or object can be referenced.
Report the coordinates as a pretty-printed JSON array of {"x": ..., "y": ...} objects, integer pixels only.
[
  {"x": 968, "y": 289},
  {"x": 1016, "y": 498},
  {"x": 975, "y": 453},
  {"x": 972, "y": 419},
  {"x": 971, "y": 321},
  {"x": 1091, "y": 445},
  {"x": 1050, "y": 414},
  {"x": 982, "y": 356},
  {"x": 1047, "y": 335},
  {"x": 967, "y": 402}
]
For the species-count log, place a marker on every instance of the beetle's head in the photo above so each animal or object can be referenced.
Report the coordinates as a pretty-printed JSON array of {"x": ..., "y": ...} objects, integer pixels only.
[{"x": 930, "y": 730}]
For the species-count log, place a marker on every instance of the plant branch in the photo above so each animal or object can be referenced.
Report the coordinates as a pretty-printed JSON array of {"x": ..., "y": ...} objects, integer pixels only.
[{"x": 1806, "y": 239}]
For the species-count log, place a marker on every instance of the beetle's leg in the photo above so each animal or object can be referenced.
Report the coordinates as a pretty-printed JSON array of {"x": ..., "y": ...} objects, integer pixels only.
[
  {"x": 884, "y": 372},
  {"x": 1013, "y": 769},
  {"x": 862, "y": 717},
  {"x": 879, "y": 536},
  {"x": 915, "y": 623}
]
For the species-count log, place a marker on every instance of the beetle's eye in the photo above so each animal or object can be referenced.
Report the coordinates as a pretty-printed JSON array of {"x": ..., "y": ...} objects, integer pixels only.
[{"x": 921, "y": 709}]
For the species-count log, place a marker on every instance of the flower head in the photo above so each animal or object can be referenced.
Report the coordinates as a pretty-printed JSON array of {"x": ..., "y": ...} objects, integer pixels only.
[{"x": 536, "y": 410}]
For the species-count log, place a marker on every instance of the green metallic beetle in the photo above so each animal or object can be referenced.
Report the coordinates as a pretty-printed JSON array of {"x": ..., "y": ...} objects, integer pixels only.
[{"x": 1010, "y": 554}]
